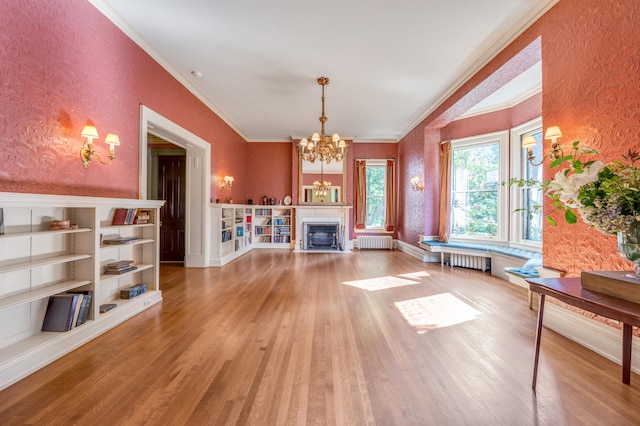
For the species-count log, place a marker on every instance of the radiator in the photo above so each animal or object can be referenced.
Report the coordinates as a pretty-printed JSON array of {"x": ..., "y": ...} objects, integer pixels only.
[
  {"x": 375, "y": 242},
  {"x": 468, "y": 261}
]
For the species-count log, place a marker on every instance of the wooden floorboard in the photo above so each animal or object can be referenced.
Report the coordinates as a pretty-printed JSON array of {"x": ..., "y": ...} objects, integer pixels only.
[{"x": 276, "y": 338}]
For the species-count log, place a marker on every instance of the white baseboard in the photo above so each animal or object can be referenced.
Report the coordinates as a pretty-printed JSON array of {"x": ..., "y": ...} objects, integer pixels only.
[{"x": 417, "y": 252}]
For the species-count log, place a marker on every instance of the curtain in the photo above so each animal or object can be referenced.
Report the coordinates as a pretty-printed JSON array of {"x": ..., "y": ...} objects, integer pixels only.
[
  {"x": 445, "y": 191},
  {"x": 390, "y": 216},
  {"x": 360, "y": 199}
]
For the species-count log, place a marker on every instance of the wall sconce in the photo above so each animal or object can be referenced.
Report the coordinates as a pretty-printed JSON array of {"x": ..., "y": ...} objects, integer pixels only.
[
  {"x": 227, "y": 182},
  {"x": 87, "y": 153},
  {"x": 416, "y": 185},
  {"x": 553, "y": 133}
]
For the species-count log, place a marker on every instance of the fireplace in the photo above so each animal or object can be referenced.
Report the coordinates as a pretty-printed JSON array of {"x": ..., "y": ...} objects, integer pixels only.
[
  {"x": 321, "y": 236},
  {"x": 327, "y": 233}
]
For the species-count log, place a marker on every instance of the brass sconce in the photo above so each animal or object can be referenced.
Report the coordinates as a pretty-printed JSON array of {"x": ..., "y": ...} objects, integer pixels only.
[
  {"x": 87, "y": 153},
  {"x": 227, "y": 182},
  {"x": 416, "y": 185},
  {"x": 553, "y": 133}
]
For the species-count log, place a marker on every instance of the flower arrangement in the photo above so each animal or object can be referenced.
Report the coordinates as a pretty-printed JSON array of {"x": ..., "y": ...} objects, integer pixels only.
[{"x": 605, "y": 195}]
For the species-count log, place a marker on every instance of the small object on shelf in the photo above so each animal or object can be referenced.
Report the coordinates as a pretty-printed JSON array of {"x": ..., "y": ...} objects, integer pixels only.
[
  {"x": 107, "y": 307},
  {"x": 133, "y": 291},
  {"x": 120, "y": 240},
  {"x": 58, "y": 225},
  {"x": 1, "y": 221},
  {"x": 249, "y": 202},
  {"x": 265, "y": 201},
  {"x": 287, "y": 200}
]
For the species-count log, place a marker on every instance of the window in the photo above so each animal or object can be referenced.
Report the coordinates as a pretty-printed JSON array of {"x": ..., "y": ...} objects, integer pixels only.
[
  {"x": 478, "y": 168},
  {"x": 376, "y": 184},
  {"x": 374, "y": 195},
  {"x": 526, "y": 201}
]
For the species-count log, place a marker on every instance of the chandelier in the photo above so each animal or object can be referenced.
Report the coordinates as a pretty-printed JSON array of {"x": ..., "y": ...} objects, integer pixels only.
[
  {"x": 321, "y": 146},
  {"x": 321, "y": 187}
]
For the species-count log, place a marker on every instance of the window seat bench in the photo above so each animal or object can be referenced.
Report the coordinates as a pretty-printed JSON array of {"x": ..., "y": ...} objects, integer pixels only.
[
  {"x": 477, "y": 249},
  {"x": 509, "y": 263}
]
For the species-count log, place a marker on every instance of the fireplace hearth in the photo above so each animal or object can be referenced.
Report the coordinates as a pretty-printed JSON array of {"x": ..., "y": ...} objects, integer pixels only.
[{"x": 322, "y": 236}]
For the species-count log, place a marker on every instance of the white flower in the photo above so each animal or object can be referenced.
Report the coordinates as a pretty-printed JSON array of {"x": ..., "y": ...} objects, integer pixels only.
[
  {"x": 566, "y": 187},
  {"x": 589, "y": 174}
]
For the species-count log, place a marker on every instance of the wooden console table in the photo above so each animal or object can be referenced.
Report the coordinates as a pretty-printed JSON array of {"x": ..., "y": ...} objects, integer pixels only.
[{"x": 570, "y": 291}]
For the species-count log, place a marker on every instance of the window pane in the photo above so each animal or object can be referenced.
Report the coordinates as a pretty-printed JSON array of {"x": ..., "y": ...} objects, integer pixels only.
[
  {"x": 475, "y": 213},
  {"x": 476, "y": 168},
  {"x": 475, "y": 190},
  {"x": 532, "y": 197},
  {"x": 375, "y": 196}
]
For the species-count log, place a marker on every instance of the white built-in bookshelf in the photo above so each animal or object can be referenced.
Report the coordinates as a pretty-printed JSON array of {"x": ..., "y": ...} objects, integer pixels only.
[
  {"x": 238, "y": 228},
  {"x": 37, "y": 262}
]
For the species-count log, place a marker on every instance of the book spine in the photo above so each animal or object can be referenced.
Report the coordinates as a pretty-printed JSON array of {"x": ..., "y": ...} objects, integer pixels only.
[{"x": 72, "y": 311}]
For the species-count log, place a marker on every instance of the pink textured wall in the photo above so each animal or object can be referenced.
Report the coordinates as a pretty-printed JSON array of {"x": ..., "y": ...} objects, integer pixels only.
[
  {"x": 591, "y": 77},
  {"x": 62, "y": 64},
  {"x": 590, "y": 90},
  {"x": 269, "y": 171}
]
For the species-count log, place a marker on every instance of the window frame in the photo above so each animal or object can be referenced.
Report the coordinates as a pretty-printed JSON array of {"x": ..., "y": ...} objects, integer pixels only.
[
  {"x": 502, "y": 138},
  {"x": 518, "y": 158}
]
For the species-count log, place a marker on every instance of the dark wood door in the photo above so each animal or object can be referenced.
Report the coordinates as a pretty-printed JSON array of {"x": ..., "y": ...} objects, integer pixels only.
[{"x": 171, "y": 188}]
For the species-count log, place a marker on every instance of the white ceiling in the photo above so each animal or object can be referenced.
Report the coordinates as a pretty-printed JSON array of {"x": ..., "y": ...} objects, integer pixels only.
[{"x": 390, "y": 63}]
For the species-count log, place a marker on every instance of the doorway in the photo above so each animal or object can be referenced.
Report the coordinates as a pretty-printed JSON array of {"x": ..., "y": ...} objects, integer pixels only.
[
  {"x": 167, "y": 181},
  {"x": 197, "y": 193}
]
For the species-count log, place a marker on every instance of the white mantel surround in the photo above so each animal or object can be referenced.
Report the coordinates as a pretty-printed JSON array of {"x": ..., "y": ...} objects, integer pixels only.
[{"x": 323, "y": 214}]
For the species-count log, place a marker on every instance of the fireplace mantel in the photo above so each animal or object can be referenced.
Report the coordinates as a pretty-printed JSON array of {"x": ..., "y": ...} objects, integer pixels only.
[{"x": 322, "y": 214}]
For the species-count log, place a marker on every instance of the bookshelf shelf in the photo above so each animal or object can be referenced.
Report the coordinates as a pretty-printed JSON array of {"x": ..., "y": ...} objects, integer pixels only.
[
  {"x": 37, "y": 233},
  {"x": 14, "y": 300},
  {"x": 40, "y": 263},
  {"x": 54, "y": 260}
]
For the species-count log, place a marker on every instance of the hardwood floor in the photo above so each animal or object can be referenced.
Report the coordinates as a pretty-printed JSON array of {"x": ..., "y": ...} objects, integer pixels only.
[{"x": 276, "y": 338}]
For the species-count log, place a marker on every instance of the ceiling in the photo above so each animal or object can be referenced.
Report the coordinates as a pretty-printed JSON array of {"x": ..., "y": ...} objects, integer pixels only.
[{"x": 389, "y": 63}]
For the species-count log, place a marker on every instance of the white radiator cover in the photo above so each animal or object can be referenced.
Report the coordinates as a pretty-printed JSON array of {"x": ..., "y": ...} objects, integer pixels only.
[
  {"x": 468, "y": 261},
  {"x": 375, "y": 242}
]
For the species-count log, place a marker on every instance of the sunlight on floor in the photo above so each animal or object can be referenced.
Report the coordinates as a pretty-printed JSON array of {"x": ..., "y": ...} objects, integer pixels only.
[
  {"x": 437, "y": 311},
  {"x": 381, "y": 283},
  {"x": 416, "y": 275}
]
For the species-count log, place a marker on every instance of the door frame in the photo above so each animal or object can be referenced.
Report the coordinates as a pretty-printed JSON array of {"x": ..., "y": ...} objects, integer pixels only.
[{"x": 198, "y": 176}]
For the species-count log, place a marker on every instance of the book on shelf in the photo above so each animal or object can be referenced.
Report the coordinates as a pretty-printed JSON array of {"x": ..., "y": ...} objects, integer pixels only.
[
  {"x": 120, "y": 271},
  {"x": 119, "y": 240},
  {"x": 123, "y": 216},
  {"x": 61, "y": 310},
  {"x": 107, "y": 307},
  {"x": 85, "y": 305},
  {"x": 119, "y": 266},
  {"x": 143, "y": 216}
]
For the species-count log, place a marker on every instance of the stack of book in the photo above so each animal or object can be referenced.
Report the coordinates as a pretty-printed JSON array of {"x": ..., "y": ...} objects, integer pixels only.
[
  {"x": 143, "y": 216},
  {"x": 120, "y": 267},
  {"x": 120, "y": 240},
  {"x": 67, "y": 310}
]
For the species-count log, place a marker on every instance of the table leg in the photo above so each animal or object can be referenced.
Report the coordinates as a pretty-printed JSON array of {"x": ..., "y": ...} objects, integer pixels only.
[
  {"x": 538, "y": 336},
  {"x": 626, "y": 353}
]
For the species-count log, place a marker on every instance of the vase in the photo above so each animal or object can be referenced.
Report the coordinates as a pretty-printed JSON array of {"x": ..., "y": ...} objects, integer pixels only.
[{"x": 629, "y": 246}]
